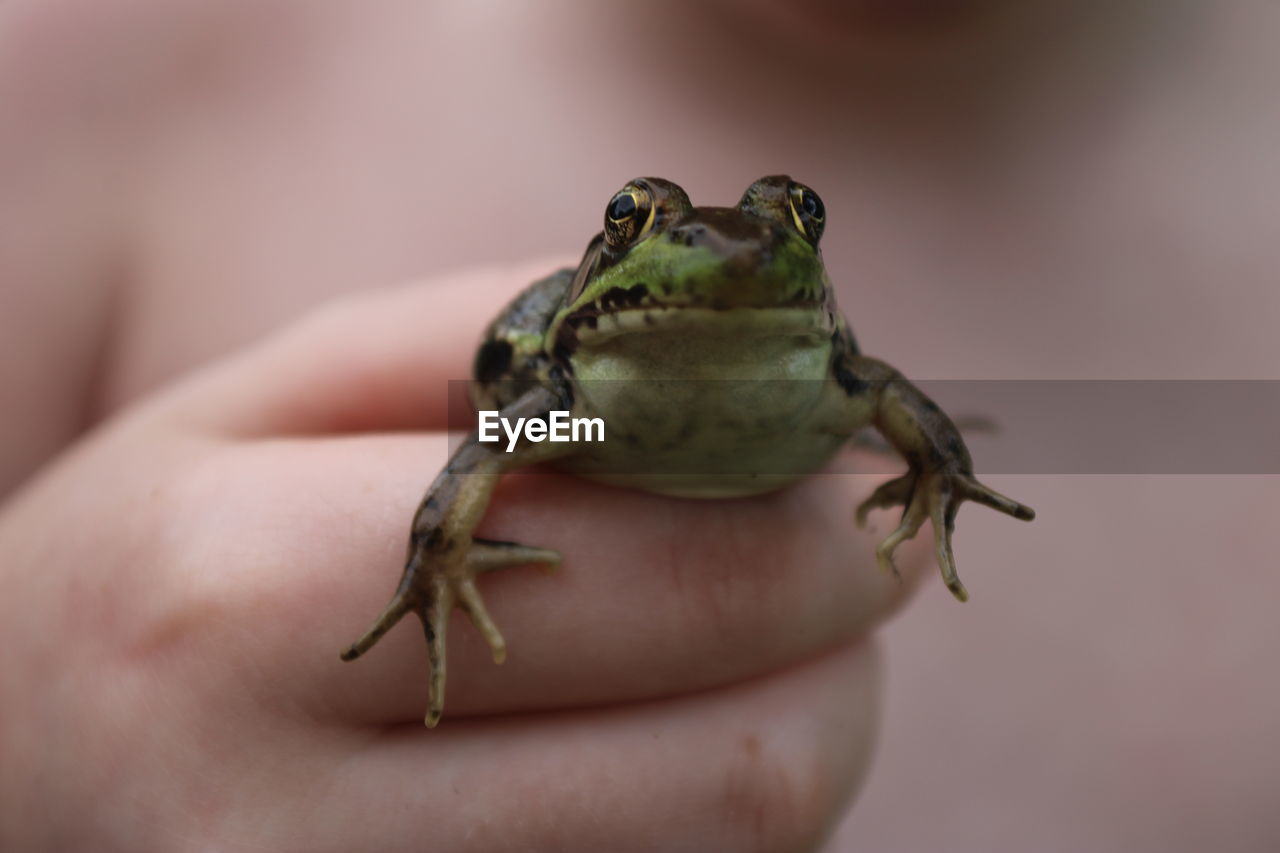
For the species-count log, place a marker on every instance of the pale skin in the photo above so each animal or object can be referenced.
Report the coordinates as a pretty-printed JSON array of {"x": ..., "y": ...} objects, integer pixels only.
[
  {"x": 249, "y": 506},
  {"x": 1091, "y": 197}
]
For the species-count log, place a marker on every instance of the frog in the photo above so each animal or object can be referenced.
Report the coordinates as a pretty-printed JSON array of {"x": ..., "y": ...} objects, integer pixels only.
[{"x": 708, "y": 343}]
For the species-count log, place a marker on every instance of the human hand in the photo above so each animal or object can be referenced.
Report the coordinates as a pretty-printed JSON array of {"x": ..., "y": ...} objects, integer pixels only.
[{"x": 179, "y": 584}]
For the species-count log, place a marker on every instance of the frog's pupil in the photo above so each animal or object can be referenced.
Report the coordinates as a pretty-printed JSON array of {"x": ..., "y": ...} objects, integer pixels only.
[
  {"x": 622, "y": 207},
  {"x": 812, "y": 205}
]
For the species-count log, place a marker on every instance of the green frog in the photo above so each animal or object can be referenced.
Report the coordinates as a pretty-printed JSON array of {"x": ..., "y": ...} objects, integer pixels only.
[{"x": 708, "y": 344}]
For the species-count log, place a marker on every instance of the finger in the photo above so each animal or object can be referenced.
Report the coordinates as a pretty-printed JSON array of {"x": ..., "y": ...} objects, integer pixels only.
[
  {"x": 655, "y": 596},
  {"x": 768, "y": 764},
  {"x": 376, "y": 360}
]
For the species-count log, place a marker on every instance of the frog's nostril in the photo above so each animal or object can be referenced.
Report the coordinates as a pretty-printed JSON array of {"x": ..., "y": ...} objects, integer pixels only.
[
  {"x": 725, "y": 233},
  {"x": 691, "y": 235}
]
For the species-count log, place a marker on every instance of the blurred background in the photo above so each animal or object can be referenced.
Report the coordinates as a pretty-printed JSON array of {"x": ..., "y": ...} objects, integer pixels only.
[{"x": 1032, "y": 190}]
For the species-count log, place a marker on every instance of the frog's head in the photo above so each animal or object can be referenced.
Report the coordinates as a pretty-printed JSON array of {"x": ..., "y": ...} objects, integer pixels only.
[{"x": 662, "y": 264}]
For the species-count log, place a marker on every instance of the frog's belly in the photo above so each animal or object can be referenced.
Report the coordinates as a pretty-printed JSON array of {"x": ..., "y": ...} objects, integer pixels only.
[{"x": 696, "y": 436}]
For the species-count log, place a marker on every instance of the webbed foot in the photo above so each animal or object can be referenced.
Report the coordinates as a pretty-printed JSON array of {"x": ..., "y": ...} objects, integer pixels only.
[
  {"x": 937, "y": 496},
  {"x": 437, "y": 578}
]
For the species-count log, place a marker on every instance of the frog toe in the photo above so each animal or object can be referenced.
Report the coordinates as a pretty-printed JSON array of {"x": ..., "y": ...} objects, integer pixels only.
[
  {"x": 978, "y": 493},
  {"x": 435, "y": 580},
  {"x": 401, "y": 604},
  {"x": 896, "y": 492},
  {"x": 943, "y": 492},
  {"x": 457, "y": 586},
  {"x": 912, "y": 518},
  {"x": 942, "y": 516},
  {"x": 935, "y": 495},
  {"x": 489, "y": 554},
  {"x": 470, "y": 601},
  {"x": 434, "y": 614}
]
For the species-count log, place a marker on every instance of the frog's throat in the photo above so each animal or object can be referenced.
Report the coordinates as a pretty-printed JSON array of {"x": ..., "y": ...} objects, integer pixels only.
[{"x": 816, "y": 321}]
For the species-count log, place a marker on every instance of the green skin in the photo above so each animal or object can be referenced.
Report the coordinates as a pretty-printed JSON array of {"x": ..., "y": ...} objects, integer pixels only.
[{"x": 709, "y": 342}]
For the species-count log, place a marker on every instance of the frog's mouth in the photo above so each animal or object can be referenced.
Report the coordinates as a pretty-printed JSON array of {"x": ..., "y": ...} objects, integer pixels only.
[{"x": 799, "y": 319}]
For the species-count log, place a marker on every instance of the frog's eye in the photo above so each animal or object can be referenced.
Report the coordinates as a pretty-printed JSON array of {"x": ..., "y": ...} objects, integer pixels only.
[
  {"x": 807, "y": 212},
  {"x": 629, "y": 216}
]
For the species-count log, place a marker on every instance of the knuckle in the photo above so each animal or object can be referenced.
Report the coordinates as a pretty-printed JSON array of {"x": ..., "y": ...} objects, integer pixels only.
[{"x": 194, "y": 571}]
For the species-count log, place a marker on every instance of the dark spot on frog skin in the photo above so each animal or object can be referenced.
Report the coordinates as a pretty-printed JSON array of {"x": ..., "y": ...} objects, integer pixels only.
[
  {"x": 852, "y": 385},
  {"x": 579, "y": 317},
  {"x": 623, "y": 297},
  {"x": 429, "y": 538},
  {"x": 497, "y": 543},
  {"x": 932, "y": 407},
  {"x": 564, "y": 391},
  {"x": 955, "y": 447},
  {"x": 492, "y": 361},
  {"x": 613, "y": 299},
  {"x": 566, "y": 343},
  {"x": 689, "y": 235}
]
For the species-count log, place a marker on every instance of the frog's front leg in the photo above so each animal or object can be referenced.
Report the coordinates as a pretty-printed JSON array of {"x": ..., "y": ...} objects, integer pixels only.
[
  {"x": 940, "y": 471},
  {"x": 444, "y": 557}
]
